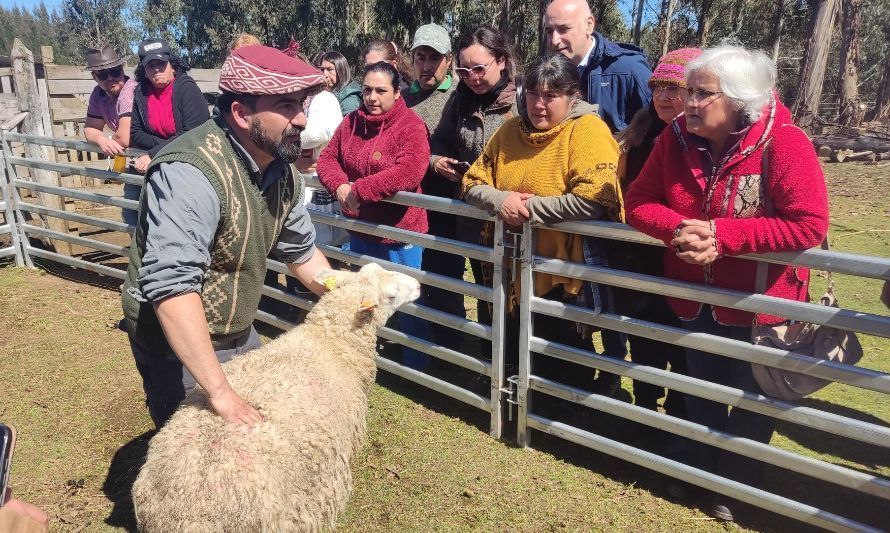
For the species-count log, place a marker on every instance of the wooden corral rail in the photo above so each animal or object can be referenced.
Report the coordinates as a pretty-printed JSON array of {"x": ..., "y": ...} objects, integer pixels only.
[{"x": 57, "y": 101}]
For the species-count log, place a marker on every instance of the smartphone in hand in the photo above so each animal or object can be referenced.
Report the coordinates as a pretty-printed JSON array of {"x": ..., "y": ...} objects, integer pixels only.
[
  {"x": 461, "y": 167},
  {"x": 7, "y": 445}
]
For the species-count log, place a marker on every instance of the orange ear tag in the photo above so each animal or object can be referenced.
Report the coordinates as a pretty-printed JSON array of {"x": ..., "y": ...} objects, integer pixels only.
[
  {"x": 367, "y": 305},
  {"x": 376, "y": 156}
]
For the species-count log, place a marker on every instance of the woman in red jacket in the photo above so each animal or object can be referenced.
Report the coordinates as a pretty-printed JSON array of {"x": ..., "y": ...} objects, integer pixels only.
[
  {"x": 378, "y": 150},
  {"x": 703, "y": 193}
]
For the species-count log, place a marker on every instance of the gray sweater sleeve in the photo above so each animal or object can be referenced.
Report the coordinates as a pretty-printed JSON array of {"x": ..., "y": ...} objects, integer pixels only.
[
  {"x": 296, "y": 243},
  {"x": 551, "y": 209},
  {"x": 182, "y": 213},
  {"x": 486, "y": 197}
]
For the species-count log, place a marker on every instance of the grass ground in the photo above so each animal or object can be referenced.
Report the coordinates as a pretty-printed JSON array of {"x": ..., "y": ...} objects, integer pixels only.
[{"x": 67, "y": 382}]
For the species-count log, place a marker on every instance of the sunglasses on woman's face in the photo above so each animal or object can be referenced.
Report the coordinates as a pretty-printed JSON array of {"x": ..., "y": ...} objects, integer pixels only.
[
  {"x": 476, "y": 70},
  {"x": 103, "y": 75}
]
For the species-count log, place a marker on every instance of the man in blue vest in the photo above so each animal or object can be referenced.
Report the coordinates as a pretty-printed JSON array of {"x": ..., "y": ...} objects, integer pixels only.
[{"x": 614, "y": 76}]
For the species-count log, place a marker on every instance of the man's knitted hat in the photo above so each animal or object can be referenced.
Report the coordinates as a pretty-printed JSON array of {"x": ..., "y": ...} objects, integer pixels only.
[
  {"x": 263, "y": 70},
  {"x": 671, "y": 68}
]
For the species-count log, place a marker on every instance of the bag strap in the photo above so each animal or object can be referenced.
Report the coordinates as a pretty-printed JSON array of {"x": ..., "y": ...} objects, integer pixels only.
[{"x": 763, "y": 267}]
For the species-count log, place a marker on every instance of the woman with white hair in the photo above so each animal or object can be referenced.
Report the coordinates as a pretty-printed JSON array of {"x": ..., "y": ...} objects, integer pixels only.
[{"x": 731, "y": 176}]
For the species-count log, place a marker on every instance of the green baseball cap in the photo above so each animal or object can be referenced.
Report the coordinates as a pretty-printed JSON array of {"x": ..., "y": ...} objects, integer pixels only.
[{"x": 434, "y": 36}]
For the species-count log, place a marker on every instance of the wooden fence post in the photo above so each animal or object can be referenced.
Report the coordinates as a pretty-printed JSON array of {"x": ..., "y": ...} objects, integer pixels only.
[{"x": 26, "y": 88}]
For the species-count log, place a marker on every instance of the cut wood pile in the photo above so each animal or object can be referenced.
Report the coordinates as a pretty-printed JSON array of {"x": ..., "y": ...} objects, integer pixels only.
[{"x": 869, "y": 143}]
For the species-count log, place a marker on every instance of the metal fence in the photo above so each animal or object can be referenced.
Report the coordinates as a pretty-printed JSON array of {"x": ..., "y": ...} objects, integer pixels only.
[{"x": 505, "y": 390}]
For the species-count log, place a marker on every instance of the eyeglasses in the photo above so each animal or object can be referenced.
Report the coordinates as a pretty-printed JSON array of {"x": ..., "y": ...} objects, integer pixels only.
[
  {"x": 477, "y": 70},
  {"x": 700, "y": 95},
  {"x": 671, "y": 92},
  {"x": 103, "y": 75}
]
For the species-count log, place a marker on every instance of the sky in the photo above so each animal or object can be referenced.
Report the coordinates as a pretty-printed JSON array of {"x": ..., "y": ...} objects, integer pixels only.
[{"x": 30, "y": 4}]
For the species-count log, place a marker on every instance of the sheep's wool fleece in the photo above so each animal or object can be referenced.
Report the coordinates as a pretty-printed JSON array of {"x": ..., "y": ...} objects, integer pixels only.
[{"x": 289, "y": 473}]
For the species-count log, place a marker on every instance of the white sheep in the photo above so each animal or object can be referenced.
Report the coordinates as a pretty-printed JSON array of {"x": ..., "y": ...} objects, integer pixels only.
[{"x": 291, "y": 472}]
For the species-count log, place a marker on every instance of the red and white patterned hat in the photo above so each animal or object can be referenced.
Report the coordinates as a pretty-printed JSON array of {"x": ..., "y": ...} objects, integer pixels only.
[{"x": 263, "y": 70}]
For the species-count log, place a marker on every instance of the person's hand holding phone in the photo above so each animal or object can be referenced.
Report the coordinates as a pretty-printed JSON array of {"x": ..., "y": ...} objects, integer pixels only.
[
  {"x": 16, "y": 516},
  {"x": 451, "y": 169}
]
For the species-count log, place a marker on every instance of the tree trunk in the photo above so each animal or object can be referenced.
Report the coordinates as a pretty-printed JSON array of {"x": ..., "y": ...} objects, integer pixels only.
[
  {"x": 778, "y": 21},
  {"x": 638, "y": 22},
  {"x": 542, "y": 35},
  {"x": 504, "y": 18},
  {"x": 668, "y": 18},
  {"x": 812, "y": 72},
  {"x": 738, "y": 7},
  {"x": 882, "y": 100},
  {"x": 704, "y": 23},
  {"x": 849, "y": 104},
  {"x": 601, "y": 7}
]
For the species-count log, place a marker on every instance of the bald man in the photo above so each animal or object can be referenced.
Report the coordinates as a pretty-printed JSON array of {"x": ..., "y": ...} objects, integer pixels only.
[{"x": 614, "y": 76}]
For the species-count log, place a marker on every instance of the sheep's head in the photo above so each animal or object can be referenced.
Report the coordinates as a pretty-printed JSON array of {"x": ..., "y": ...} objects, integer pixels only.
[{"x": 375, "y": 293}]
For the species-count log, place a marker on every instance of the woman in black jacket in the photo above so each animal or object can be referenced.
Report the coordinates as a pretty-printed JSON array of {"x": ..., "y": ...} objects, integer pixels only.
[{"x": 166, "y": 103}]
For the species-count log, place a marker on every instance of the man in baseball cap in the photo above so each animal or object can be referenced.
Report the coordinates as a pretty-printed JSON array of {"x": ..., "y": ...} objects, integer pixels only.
[
  {"x": 432, "y": 58},
  {"x": 216, "y": 201}
]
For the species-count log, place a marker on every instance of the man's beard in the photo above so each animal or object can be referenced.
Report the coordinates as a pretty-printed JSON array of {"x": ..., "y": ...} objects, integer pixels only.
[{"x": 287, "y": 151}]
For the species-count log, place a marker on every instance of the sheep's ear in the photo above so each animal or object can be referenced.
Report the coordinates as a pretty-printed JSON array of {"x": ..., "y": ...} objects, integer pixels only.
[
  {"x": 367, "y": 305},
  {"x": 331, "y": 279}
]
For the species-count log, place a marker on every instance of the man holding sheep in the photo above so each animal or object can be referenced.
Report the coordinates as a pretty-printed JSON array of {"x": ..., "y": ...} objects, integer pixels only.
[{"x": 216, "y": 201}]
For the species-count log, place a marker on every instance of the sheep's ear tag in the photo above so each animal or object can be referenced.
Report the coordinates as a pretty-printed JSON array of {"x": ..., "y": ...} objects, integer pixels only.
[
  {"x": 330, "y": 283},
  {"x": 367, "y": 305}
]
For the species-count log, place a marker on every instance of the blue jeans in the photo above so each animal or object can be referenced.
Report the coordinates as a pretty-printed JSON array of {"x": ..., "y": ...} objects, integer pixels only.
[
  {"x": 411, "y": 256},
  {"x": 131, "y": 192},
  {"x": 747, "y": 424}
]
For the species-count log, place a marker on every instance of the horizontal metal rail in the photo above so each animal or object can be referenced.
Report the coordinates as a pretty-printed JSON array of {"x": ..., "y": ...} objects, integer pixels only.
[
  {"x": 442, "y": 244},
  {"x": 4, "y": 229},
  {"x": 106, "y": 199},
  {"x": 439, "y": 352},
  {"x": 73, "y": 239},
  {"x": 72, "y": 216},
  {"x": 433, "y": 203},
  {"x": 443, "y": 282},
  {"x": 804, "y": 416},
  {"x": 9, "y": 251},
  {"x": 833, "y": 261},
  {"x": 79, "y": 170},
  {"x": 427, "y": 313},
  {"x": 754, "y": 303},
  {"x": 733, "y": 489},
  {"x": 852, "y": 375},
  {"x": 81, "y": 146},
  {"x": 78, "y": 263},
  {"x": 815, "y": 468},
  {"x": 436, "y": 384}
]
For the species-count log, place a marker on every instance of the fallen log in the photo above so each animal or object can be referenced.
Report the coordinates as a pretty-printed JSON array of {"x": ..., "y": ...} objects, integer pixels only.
[
  {"x": 841, "y": 156},
  {"x": 857, "y": 144}
]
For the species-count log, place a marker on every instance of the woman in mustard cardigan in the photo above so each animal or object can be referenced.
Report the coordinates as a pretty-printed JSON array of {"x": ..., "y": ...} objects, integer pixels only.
[{"x": 557, "y": 162}]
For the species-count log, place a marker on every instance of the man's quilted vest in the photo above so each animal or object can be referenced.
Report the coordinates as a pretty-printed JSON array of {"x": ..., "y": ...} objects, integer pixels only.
[{"x": 249, "y": 225}]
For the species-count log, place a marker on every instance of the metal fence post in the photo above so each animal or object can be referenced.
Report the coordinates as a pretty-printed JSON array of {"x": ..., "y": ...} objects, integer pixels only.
[
  {"x": 12, "y": 217},
  {"x": 498, "y": 306},
  {"x": 526, "y": 283}
]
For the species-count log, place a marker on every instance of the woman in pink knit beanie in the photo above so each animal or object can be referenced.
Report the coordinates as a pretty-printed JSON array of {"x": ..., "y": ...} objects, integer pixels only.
[{"x": 668, "y": 84}]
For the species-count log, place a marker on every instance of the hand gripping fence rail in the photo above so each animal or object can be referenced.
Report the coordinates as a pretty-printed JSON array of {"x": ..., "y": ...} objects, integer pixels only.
[{"x": 508, "y": 397}]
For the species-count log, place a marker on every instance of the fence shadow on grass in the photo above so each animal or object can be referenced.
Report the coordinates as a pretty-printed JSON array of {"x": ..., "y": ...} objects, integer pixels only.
[
  {"x": 122, "y": 472},
  {"x": 817, "y": 441}
]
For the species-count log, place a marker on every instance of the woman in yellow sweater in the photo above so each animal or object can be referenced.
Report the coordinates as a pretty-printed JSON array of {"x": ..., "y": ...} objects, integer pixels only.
[{"x": 557, "y": 162}]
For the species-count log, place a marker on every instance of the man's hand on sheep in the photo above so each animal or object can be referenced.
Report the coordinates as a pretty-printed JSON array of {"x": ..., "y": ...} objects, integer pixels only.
[
  {"x": 185, "y": 327},
  {"x": 232, "y": 408}
]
